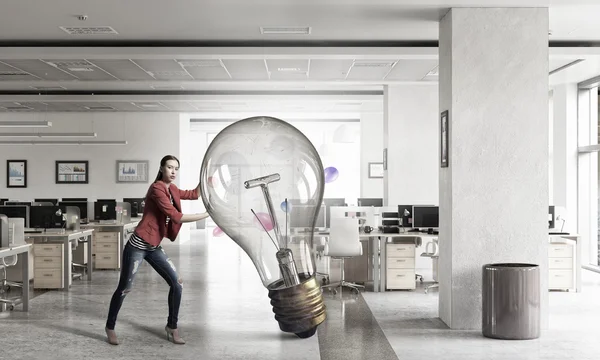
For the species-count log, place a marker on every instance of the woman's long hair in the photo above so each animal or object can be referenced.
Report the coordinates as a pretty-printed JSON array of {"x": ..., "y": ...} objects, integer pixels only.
[{"x": 163, "y": 162}]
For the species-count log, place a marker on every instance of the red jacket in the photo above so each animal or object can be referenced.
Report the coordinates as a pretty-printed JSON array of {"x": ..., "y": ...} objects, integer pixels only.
[{"x": 153, "y": 226}]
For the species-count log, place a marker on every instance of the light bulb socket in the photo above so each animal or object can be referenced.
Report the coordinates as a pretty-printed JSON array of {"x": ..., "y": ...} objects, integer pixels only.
[{"x": 298, "y": 309}]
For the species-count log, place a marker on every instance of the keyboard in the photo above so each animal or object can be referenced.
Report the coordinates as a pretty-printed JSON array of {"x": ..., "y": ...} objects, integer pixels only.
[{"x": 33, "y": 231}]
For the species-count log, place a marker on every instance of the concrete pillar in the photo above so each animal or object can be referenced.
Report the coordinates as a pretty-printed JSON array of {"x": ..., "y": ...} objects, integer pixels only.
[
  {"x": 371, "y": 151},
  {"x": 494, "y": 193},
  {"x": 410, "y": 136}
]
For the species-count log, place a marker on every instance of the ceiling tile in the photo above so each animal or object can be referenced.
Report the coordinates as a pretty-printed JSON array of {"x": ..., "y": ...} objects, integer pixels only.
[
  {"x": 321, "y": 69},
  {"x": 122, "y": 106},
  {"x": 123, "y": 69},
  {"x": 411, "y": 70},
  {"x": 164, "y": 69},
  {"x": 246, "y": 69},
  {"x": 81, "y": 69},
  {"x": 40, "y": 69},
  {"x": 369, "y": 70},
  {"x": 179, "y": 106}
]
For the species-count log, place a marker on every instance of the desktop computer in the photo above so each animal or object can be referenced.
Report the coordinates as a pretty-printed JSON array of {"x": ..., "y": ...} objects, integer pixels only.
[
  {"x": 82, "y": 205},
  {"x": 137, "y": 206},
  {"x": 46, "y": 217},
  {"x": 300, "y": 217},
  {"x": 16, "y": 211},
  {"x": 52, "y": 201},
  {"x": 378, "y": 202},
  {"x": 105, "y": 209},
  {"x": 426, "y": 217}
]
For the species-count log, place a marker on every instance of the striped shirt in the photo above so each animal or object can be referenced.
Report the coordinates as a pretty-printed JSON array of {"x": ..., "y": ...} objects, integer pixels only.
[{"x": 139, "y": 243}]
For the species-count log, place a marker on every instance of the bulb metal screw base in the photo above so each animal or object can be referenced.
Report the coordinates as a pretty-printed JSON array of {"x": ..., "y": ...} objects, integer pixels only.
[{"x": 299, "y": 309}]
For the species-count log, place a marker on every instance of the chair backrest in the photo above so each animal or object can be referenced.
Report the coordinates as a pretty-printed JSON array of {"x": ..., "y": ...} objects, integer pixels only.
[{"x": 344, "y": 240}]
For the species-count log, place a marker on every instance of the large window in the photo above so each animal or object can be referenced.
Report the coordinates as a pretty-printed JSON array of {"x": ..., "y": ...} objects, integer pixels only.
[{"x": 588, "y": 179}]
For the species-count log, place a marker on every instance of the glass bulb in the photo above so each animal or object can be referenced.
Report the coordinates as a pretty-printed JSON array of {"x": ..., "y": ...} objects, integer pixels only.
[{"x": 260, "y": 179}]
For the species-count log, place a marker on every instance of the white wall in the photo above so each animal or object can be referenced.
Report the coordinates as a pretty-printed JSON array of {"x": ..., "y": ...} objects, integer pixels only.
[
  {"x": 150, "y": 136},
  {"x": 371, "y": 150},
  {"x": 411, "y": 135}
]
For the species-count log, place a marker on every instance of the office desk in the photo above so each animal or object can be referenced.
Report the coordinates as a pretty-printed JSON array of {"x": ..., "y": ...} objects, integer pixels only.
[
  {"x": 67, "y": 238},
  {"x": 377, "y": 255},
  {"x": 16, "y": 250},
  {"x": 124, "y": 229},
  {"x": 571, "y": 239}
]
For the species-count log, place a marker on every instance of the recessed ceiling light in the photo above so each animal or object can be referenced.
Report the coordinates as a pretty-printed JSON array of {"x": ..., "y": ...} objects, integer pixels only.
[
  {"x": 373, "y": 63},
  {"x": 89, "y": 30},
  {"x": 285, "y": 30},
  {"x": 80, "y": 69},
  {"x": 288, "y": 69}
]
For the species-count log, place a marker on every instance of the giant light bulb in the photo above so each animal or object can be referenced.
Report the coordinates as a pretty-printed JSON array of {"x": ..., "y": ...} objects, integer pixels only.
[{"x": 260, "y": 178}]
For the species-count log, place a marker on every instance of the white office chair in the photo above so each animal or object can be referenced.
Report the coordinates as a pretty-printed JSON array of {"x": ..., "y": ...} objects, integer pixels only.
[
  {"x": 5, "y": 286},
  {"x": 344, "y": 242},
  {"x": 434, "y": 255}
]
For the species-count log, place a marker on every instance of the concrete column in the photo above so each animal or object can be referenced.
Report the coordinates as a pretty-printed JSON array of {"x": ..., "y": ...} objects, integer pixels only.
[
  {"x": 564, "y": 154},
  {"x": 411, "y": 137},
  {"x": 371, "y": 151},
  {"x": 494, "y": 194}
]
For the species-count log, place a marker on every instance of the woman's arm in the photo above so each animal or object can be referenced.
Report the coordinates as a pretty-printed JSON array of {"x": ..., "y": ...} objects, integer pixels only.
[
  {"x": 190, "y": 194},
  {"x": 193, "y": 217}
]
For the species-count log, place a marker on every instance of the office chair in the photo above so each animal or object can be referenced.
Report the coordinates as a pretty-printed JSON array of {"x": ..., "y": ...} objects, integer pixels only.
[
  {"x": 5, "y": 285},
  {"x": 434, "y": 255},
  {"x": 344, "y": 242}
]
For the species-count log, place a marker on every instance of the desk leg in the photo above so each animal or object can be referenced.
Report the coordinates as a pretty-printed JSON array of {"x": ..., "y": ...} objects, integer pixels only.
[
  {"x": 578, "y": 265},
  {"x": 375, "y": 246},
  {"x": 382, "y": 262},
  {"x": 89, "y": 256},
  {"x": 25, "y": 274},
  {"x": 67, "y": 253}
]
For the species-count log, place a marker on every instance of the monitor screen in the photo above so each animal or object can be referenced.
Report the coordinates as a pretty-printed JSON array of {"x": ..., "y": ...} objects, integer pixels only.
[
  {"x": 2, "y": 201},
  {"x": 52, "y": 201},
  {"x": 74, "y": 199},
  {"x": 370, "y": 202},
  {"x": 551, "y": 217},
  {"x": 137, "y": 206},
  {"x": 82, "y": 205},
  {"x": 25, "y": 203},
  {"x": 46, "y": 217},
  {"x": 425, "y": 217},
  {"x": 16, "y": 211},
  {"x": 105, "y": 210}
]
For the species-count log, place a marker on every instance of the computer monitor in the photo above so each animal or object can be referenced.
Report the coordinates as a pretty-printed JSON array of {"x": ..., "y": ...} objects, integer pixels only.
[
  {"x": 425, "y": 217},
  {"x": 105, "y": 210},
  {"x": 25, "y": 203},
  {"x": 82, "y": 205},
  {"x": 370, "y": 202},
  {"x": 2, "y": 201},
  {"x": 16, "y": 211},
  {"x": 137, "y": 206},
  {"x": 75, "y": 199},
  {"x": 328, "y": 204},
  {"x": 299, "y": 217},
  {"x": 551, "y": 214},
  {"x": 46, "y": 217},
  {"x": 52, "y": 201}
]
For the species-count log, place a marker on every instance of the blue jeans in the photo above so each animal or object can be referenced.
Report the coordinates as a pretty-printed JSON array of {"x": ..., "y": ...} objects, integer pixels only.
[{"x": 158, "y": 259}]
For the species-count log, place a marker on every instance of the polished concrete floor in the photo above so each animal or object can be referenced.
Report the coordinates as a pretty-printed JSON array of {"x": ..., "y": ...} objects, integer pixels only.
[{"x": 226, "y": 314}]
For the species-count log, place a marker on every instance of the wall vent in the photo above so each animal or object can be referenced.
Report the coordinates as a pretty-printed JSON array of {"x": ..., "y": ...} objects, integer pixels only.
[{"x": 89, "y": 30}]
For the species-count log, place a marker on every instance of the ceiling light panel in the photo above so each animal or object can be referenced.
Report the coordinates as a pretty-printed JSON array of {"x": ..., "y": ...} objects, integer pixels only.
[
  {"x": 61, "y": 142},
  {"x": 369, "y": 70},
  {"x": 46, "y": 135},
  {"x": 329, "y": 69},
  {"x": 178, "y": 106},
  {"x": 123, "y": 69},
  {"x": 163, "y": 69},
  {"x": 40, "y": 69},
  {"x": 205, "y": 69},
  {"x": 150, "y": 106},
  {"x": 411, "y": 70},
  {"x": 81, "y": 69},
  {"x": 122, "y": 106},
  {"x": 285, "y": 30},
  {"x": 89, "y": 30},
  {"x": 23, "y": 124},
  {"x": 246, "y": 69}
]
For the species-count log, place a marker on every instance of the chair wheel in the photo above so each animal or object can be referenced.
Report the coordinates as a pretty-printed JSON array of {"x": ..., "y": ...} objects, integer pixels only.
[
  {"x": 334, "y": 291},
  {"x": 355, "y": 291}
]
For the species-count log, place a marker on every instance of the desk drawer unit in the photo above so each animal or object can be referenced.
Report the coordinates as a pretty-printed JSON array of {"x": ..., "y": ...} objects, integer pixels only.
[
  {"x": 561, "y": 266},
  {"x": 106, "y": 250},
  {"x": 49, "y": 266},
  {"x": 400, "y": 267}
]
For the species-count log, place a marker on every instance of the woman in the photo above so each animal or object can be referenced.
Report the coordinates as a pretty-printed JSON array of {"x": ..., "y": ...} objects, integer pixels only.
[{"x": 162, "y": 218}]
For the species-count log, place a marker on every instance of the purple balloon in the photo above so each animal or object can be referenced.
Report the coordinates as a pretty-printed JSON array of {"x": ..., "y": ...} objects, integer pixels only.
[
  {"x": 217, "y": 232},
  {"x": 331, "y": 174},
  {"x": 265, "y": 220}
]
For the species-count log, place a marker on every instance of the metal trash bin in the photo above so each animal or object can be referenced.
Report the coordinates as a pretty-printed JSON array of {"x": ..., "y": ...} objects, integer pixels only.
[{"x": 511, "y": 301}]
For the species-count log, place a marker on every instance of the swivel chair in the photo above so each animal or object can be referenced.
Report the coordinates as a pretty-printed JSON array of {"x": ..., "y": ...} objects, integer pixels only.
[
  {"x": 434, "y": 255},
  {"x": 344, "y": 242},
  {"x": 5, "y": 285}
]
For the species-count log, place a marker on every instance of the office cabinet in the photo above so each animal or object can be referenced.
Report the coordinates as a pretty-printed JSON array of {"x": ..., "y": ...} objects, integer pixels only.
[
  {"x": 106, "y": 247},
  {"x": 400, "y": 267},
  {"x": 49, "y": 266},
  {"x": 561, "y": 266}
]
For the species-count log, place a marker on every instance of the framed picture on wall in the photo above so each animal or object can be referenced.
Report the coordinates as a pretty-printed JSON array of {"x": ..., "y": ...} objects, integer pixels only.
[
  {"x": 375, "y": 170},
  {"x": 72, "y": 172},
  {"x": 132, "y": 171},
  {"x": 16, "y": 173},
  {"x": 444, "y": 139}
]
